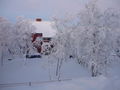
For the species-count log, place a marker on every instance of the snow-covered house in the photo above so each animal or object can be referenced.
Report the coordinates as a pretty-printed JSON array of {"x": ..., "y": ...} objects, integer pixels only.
[{"x": 43, "y": 34}]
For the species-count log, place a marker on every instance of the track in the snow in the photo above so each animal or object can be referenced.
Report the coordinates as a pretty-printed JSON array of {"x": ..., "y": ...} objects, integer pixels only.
[{"x": 30, "y": 83}]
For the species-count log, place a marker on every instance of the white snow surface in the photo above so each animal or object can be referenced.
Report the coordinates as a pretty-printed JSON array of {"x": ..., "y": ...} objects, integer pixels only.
[
  {"x": 37, "y": 70},
  {"x": 45, "y": 27}
]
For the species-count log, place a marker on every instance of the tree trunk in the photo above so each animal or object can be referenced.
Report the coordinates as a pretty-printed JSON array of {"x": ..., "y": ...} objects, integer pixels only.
[
  {"x": 2, "y": 63},
  {"x": 94, "y": 71},
  {"x": 59, "y": 65},
  {"x": 57, "y": 69}
]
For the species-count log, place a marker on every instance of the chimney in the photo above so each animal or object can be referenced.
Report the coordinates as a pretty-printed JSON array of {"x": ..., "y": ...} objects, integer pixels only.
[{"x": 38, "y": 19}]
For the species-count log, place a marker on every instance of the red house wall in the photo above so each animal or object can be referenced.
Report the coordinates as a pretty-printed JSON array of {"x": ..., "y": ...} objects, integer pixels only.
[
  {"x": 38, "y": 45},
  {"x": 34, "y": 37}
]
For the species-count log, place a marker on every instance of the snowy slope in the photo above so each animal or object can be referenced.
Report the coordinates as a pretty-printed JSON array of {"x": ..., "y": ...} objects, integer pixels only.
[
  {"x": 40, "y": 70},
  {"x": 76, "y": 84}
]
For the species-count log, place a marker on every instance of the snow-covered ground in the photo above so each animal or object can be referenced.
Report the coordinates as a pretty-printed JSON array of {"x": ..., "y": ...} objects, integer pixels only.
[{"x": 43, "y": 70}]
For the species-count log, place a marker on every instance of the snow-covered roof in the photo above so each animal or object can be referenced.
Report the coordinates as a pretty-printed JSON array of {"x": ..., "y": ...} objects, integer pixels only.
[{"x": 45, "y": 27}]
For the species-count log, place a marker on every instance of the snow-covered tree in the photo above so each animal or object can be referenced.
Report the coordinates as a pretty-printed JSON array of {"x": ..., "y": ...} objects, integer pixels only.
[
  {"x": 5, "y": 38},
  {"x": 15, "y": 39},
  {"x": 23, "y": 36},
  {"x": 88, "y": 37},
  {"x": 62, "y": 49}
]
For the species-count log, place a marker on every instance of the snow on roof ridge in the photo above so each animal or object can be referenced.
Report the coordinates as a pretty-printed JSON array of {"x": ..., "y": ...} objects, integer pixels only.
[{"x": 45, "y": 27}]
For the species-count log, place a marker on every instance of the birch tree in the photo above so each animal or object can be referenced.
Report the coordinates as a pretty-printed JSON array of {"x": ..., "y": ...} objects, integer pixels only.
[{"x": 88, "y": 37}]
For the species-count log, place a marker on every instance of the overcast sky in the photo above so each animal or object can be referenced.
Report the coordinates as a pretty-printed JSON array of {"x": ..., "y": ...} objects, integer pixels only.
[{"x": 45, "y": 9}]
